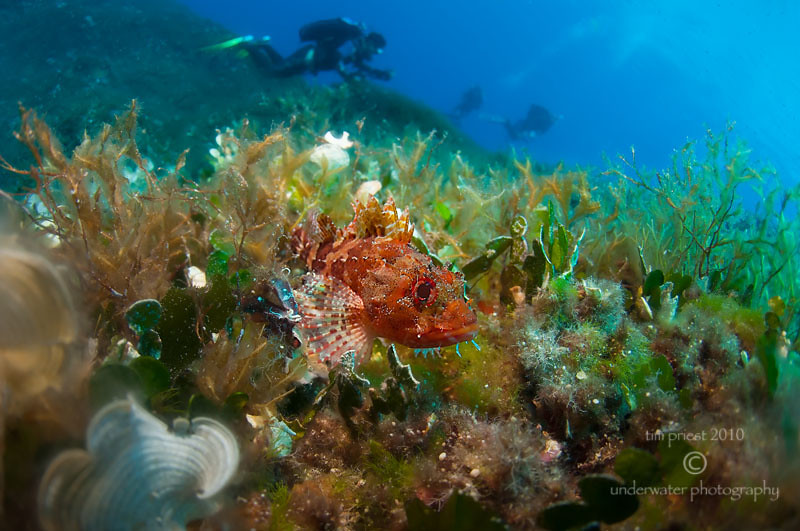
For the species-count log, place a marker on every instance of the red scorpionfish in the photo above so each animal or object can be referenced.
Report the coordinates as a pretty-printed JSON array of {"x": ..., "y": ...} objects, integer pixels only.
[{"x": 367, "y": 281}]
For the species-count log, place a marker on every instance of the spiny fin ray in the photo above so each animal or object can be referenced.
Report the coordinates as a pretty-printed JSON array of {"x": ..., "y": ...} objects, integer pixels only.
[{"x": 332, "y": 320}]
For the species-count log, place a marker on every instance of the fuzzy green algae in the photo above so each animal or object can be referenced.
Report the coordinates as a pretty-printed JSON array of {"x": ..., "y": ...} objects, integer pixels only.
[{"x": 615, "y": 351}]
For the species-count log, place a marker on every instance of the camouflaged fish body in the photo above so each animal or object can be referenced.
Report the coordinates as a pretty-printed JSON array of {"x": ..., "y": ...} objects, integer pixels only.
[{"x": 367, "y": 281}]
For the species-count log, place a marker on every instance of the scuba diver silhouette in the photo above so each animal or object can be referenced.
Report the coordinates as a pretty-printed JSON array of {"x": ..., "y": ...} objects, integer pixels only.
[
  {"x": 325, "y": 38},
  {"x": 471, "y": 100},
  {"x": 536, "y": 123}
]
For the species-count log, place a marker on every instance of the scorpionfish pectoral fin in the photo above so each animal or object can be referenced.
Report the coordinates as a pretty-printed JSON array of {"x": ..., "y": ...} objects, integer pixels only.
[{"x": 332, "y": 321}]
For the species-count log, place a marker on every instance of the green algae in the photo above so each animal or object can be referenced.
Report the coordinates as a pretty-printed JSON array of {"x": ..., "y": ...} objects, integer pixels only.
[
  {"x": 178, "y": 329},
  {"x": 395, "y": 473},
  {"x": 154, "y": 376},
  {"x": 460, "y": 512},
  {"x": 143, "y": 315},
  {"x": 218, "y": 303},
  {"x": 485, "y": 379},
  {"x": 569, "y": 375},
  {"x": 603, "y": 500},
  {"x": 278, "y": 496},
  {"x": 150, "y": 344},
  {"x": 637, "y": 466},
  {"x": 113, "y": 381},
  {"x": 747, "y": 323},
  {"x": 143, "y": 377},
  {"x": 766, "y": 353},
  {"x": 217, "y": 264}
]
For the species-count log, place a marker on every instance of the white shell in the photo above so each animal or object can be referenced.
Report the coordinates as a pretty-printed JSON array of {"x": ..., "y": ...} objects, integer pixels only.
[
  {"x": 330, "y": 154},
  {"x": 367, "y": 189},
  {"x": 137, "y": 474},
  {"x": 196, "y": 276},
  {"x": 344, "y": 142}
]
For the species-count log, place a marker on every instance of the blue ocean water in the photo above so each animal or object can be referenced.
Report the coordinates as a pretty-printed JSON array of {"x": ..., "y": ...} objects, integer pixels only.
[
  {"x": 622, "y": 73},
  {"x": 607, "y": 323}
]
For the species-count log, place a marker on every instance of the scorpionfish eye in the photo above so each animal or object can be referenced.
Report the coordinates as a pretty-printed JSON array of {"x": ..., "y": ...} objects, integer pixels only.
[{"x": 424, "y": 292}]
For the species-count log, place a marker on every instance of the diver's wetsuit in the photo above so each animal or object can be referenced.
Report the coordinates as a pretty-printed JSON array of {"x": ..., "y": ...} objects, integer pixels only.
[
  {"x": 332, "y": 32},
  {"x": 326, "y": 37},
  {"x": 365, "y": 46},
  {"x": 537, "y": 122},
  {"x": 471, "y": 100}
]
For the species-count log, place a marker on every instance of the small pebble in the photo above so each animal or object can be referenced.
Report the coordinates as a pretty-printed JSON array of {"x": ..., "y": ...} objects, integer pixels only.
[
  {"x": 442, "y": 456},
  {"x": 475, "y": 472},
  {"x": 181, "y": 425}
]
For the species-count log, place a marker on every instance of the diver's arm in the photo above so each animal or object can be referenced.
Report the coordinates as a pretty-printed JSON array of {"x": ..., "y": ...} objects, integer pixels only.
[
  {"x": 377, "y": 73},
  {"x": 346, "y": 74}
]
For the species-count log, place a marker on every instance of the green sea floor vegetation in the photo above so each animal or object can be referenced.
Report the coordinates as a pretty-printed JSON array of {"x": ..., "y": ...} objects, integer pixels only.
[{"x": 637, "y": 363}]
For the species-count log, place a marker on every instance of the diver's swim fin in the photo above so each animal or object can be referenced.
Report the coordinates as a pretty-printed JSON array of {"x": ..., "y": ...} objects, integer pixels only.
[
  {"x": 492, "y": 118},
  {"x": 230, "y": 43}
]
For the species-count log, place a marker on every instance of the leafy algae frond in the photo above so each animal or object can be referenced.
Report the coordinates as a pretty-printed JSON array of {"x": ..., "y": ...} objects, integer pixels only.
[
  {"x": 127, "y": 242},
  {"x": 700, "y": 226}
]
